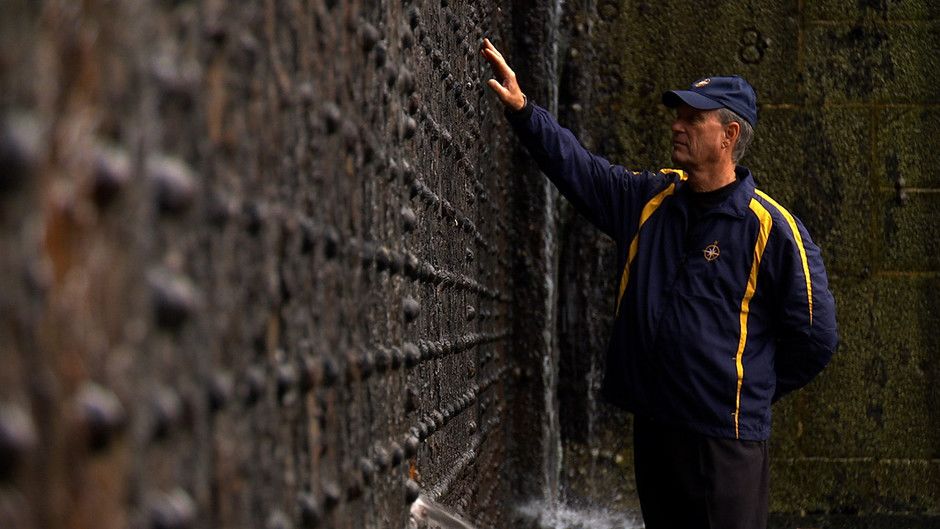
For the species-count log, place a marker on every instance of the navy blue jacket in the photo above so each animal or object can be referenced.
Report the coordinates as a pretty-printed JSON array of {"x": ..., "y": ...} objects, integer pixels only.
[{"x": 715, "y": 319}]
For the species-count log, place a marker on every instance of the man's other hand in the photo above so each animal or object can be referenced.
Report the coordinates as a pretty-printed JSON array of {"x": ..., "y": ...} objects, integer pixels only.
[{"x": 506, "y": 88}]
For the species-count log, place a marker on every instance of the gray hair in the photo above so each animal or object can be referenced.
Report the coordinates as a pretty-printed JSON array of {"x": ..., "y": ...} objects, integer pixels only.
[{"x": 744, "y": 138}]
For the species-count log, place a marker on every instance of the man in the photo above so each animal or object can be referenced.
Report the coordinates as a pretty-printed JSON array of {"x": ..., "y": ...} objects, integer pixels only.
[{"x": 723, "y": 303}]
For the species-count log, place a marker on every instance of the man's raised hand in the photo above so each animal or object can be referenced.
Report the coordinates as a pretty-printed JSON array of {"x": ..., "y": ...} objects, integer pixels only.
[{"x": 505, "y": 85}]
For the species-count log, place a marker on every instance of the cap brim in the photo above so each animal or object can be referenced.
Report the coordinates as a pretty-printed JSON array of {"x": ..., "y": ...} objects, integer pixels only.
[{"x": 675, "y": 98}]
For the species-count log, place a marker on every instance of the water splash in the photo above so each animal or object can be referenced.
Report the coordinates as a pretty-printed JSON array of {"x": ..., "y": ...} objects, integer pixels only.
[
  {"x": 426, "y": 513},
  {"x": 559, "y": 516}
]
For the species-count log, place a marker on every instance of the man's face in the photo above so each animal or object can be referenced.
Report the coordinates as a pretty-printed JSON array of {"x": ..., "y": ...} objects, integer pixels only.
[{"x": 696, "y": 137}]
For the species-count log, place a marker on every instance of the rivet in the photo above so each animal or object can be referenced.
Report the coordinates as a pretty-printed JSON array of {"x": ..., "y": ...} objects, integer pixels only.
[
  {"x": 167, "y": 410},
  {"x": 310, "y": 513},
  {"x": 174, "y": 298},
  {"x": 332, "y": 117},
  {"x": 409, "y": 127},
  {"x": 219, "y": 208},
  {"x": 383, "y": 359},
  {"x": 255, "y": 382},
  {"x": 383, "y": 258},
  {"x": 368, "y": 36},
  {"x": 175, "y": 510},
  {"x": 102, "y": 415},
  {"x": 426, "y": 43},
  {"x": 359, "y": 365},
  {"x": 331, "y": 246},
  {"x": 425, "y": 350},
  {"x": 330, "y": 371},
  {"x": 412, "y": 354},
  {"x": 287, "y": 378},
  {"x": 412, "y": 491},
  {"x": 408, "y": 218},
  {"x": 411, "y": 445},
  {"x": 391, "y": 75},
  {"x": 173, "y": 182},
  {"x": 111, "y": 174},
  {"x": 438, "y": 418},
  {"x": 424, "y": 429},
  {"x": 397, "y": 453},
  {"x": 354, "y": 488},
  {"x": 383, "y": 460},
  {"x": 277, "y": 520},
  {"x": 215, "y": 31},
  {"x": 414, "y": 16},
  {"x": 394, "y": 171},
  {"x": 331, "y": 494},
  {"x": 471, "y": 313},
  {"x": 381, "y": 54},
  {"x": 407, "y": 172},
  {"x": 398, "y": 357},
  {"x": 220, "y": 390},
  {"x": 19, "y": 152},
  {"x": 411, "y": 308},
  {"x": 306, "y": 94},
  {"x": 253, "y": 217},
  {"x": 414, "y": 104},
  {"x": 310, "y": 374},
  {"x": 407, "y": 38},
  {"x": 368, "y": 470},
  {"x": 17, "y": 438},
  {"x": 350, "y": 135}
]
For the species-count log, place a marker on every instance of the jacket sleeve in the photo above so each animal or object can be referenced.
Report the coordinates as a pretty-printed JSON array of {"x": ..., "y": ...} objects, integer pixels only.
[
  {"x": 807, "y": 333},
  {"x": 604, "y": 193}
]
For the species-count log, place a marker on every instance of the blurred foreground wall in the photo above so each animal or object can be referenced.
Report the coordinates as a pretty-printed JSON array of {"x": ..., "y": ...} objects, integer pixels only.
[
  {"x": 257, "y": 265},
  {"x": 847, "y": 140}
]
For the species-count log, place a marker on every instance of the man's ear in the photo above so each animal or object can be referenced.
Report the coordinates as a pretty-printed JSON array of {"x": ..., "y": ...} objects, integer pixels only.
[{"x": 732, "y": 131}]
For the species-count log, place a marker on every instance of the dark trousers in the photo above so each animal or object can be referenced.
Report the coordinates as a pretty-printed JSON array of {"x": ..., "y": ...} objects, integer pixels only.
[{"x": 689, "y": 481}]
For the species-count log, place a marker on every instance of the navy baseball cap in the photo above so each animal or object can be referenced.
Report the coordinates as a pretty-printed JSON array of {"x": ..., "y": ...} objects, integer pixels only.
[{"x": 710, "y": 93}]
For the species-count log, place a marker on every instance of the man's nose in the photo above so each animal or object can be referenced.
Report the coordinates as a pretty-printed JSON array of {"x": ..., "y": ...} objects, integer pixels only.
[{"x": 676, "y": 127}]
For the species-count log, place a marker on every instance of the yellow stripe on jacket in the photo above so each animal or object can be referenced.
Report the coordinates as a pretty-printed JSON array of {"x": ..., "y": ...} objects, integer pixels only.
[
  {"x": 766, "y": 223},
  {"x": 799, "y": 244},
  {"x": 648, "y": 210}
]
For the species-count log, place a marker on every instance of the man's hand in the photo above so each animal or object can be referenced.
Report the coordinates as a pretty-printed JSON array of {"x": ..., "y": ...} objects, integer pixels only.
[{"x": 507, "y": 89}]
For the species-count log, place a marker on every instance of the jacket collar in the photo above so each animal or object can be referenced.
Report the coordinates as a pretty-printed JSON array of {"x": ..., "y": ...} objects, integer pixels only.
[{"x": 739, "y": 201}]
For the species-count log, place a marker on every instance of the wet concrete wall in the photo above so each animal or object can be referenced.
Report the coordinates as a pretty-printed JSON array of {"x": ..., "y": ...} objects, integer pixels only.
[
  {"x": 260, "y": 265},
  {"x": 846, "y": 141}
]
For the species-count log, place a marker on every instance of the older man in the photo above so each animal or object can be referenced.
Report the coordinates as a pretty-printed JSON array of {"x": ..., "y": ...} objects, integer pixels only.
[{"x": 723, "y": 303}]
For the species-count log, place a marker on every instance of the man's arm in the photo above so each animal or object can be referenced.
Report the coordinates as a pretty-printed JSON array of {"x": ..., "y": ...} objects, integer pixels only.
[
  {"x": 808, "y": 331},
  {"x": 599, "y": 190}
]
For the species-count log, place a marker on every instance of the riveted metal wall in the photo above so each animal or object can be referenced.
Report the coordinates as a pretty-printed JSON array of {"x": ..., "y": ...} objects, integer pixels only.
[{"x": 256, "y": 264}]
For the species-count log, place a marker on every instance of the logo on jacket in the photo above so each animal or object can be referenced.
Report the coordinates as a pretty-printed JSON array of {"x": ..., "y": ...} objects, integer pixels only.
[{"x": 711, "y": 251}]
